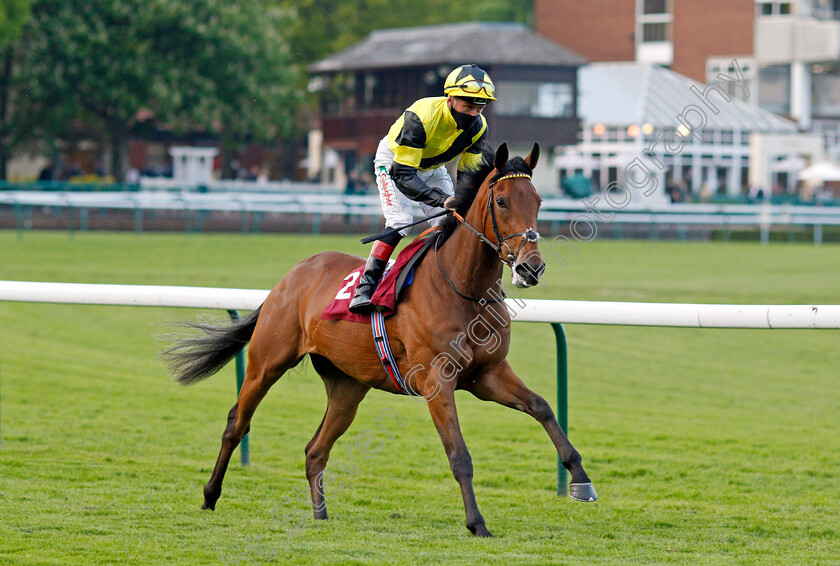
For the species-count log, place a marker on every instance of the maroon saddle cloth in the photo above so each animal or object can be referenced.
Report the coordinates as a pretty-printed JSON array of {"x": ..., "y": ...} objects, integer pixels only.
[{"x": 398, "y": 276}]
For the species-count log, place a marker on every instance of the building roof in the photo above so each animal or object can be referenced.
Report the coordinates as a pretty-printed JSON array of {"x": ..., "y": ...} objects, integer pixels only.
[
  {"x": 480, "y": 43},
  {"x": 641, "y": 93}
]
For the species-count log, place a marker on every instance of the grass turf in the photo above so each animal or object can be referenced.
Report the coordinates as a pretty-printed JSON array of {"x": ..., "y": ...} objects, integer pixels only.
[{"x": 706, "y": 446}]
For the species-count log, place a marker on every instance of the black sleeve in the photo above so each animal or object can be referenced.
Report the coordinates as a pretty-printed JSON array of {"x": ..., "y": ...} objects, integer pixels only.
[
  {"x": 413, "y": 133},
  {"x": 414, "y": 187}
]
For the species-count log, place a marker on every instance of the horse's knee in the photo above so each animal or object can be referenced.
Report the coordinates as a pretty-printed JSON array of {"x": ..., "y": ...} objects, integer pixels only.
[
  {"x": 540, "y": 409},
  {"x": 462, "y": 468}
]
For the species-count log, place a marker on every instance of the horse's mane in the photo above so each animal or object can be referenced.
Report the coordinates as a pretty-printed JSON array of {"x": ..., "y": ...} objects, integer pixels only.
[{"x": 469, "y": 182}]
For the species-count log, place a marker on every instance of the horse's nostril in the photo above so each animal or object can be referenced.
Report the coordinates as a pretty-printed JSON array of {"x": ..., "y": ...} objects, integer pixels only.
[{"x": 528, "y": 273}]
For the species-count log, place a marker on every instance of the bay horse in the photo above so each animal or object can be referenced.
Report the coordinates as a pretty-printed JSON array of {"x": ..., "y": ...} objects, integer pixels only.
[{"x": 496, "y": 211}]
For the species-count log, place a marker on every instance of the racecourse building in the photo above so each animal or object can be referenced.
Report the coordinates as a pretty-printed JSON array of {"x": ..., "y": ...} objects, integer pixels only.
[
  {"x": 366, "y": 87},
  {"x": 787, "y": 50},
  {"x": 688, "y": 134}
]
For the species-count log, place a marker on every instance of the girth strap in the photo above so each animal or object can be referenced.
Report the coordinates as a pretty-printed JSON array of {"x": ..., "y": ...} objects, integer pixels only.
[{"x": 383, "y": 349}]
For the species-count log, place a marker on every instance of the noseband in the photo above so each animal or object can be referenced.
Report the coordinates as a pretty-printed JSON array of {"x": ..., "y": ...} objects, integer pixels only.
[{"x": 530, "y": 235}]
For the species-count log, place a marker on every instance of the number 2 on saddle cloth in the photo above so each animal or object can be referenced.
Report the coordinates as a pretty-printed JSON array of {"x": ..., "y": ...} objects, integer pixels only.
[{"x": 398, "y": 276}]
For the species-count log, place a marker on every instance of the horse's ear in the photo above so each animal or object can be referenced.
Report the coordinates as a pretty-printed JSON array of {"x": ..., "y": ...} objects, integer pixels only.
[
  {"x": 501, "y": 158},
  {"x": 534, "y": 156}
]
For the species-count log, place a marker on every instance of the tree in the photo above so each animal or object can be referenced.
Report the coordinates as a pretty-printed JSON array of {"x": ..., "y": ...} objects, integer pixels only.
[
  {"x": 220, "y": 66},
  {"x": 235, "y": 69},
  {"x": 256, "y": 91},
  {"x": 322, "y": 27},
  {"x": 13, "y": 15}
]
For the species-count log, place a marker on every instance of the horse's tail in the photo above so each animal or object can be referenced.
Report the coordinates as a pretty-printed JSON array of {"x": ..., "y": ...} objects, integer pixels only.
[{"x": 196, "y": 357}]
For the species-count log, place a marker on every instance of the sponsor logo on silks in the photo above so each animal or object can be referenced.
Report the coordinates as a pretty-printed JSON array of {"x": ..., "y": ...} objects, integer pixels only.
[{"x": 386, "y": 193}]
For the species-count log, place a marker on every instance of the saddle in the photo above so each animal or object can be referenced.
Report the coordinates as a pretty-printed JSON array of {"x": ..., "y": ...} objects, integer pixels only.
[{"x": 398, "y": 276}]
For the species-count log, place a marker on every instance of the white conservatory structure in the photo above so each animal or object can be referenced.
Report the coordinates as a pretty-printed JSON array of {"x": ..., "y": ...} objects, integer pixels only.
[{"x": 691, "y": 135}]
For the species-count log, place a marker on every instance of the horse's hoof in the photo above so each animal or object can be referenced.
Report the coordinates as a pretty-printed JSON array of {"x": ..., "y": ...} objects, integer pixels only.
[
  {"x": 208, "y": 506},
  {"x": 481, "y": 531},
  {"x": 583, "y": 492}
]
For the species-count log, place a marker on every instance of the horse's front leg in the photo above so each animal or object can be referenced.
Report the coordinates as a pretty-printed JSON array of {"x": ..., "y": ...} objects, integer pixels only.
[
  {"x": 445, "y": 417},
  {"x": 503, "y": 386}
]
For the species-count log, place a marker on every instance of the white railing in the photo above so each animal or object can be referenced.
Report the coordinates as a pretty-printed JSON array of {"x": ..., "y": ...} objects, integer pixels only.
[
  {"x": 532, "y": 310},
  {"x": 131, "y": 295},
  {"x": 290, "y": 203},
  {"x": 553, "y": 209},
  {"x": 233, "y": 185},
  {"x": 553, "y": 312}
]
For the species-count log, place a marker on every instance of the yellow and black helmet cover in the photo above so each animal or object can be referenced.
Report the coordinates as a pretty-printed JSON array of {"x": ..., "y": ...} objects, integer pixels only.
[{"x": 470, "y": 82}]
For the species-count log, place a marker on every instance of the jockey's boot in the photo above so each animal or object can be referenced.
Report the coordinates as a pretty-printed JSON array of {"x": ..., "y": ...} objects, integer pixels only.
[{"x": 374, "y": 268}]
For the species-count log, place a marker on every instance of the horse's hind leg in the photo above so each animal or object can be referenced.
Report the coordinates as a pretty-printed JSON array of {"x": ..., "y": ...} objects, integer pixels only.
[
  {"x": 258, "y": 380},
  {"x": 343, "y": 397},
  {"x": 213, "y": 489},
  {"x": 504, "y": 387}
]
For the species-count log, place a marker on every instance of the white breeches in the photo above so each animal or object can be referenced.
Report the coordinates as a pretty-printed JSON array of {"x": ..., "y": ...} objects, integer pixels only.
[{"x": 397, "y": 207}]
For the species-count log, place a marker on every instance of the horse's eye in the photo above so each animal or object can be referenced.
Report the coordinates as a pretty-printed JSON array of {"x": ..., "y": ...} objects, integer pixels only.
[{"x": 501, "y": 202}]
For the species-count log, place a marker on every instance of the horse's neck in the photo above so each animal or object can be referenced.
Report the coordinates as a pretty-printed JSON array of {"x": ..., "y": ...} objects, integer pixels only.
[{"x": 472, "y": 265}]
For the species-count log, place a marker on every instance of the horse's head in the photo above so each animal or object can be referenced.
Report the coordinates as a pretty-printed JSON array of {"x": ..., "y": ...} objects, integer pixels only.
[{"x": 509, "y": 216}]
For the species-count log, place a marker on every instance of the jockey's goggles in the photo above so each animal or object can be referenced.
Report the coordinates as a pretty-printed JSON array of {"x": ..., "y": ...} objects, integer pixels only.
[
  {"x": 473, "y": 88},
  {"x": 477, "y": 87}
]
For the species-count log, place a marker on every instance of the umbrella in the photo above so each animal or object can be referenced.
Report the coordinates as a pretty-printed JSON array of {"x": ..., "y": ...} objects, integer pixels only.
[
  {"x": 788, "y": 164},
  {"x": 821, "y": 172}
]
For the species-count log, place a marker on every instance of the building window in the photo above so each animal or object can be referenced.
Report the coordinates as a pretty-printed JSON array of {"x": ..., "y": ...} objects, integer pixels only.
[
  {"x": 655, "y": 32},
  {"x": 654, "y": 18},
  {"x": 764, "y": 8},
  {"x": 655, "y": 7},
  {"x": 826, "y": 94},
  {"x": 717, "y": 66},
  {"x": 774, "y": 88},
  {"x": 532, "y": 98},
  {"x": 826, "y": 9}
]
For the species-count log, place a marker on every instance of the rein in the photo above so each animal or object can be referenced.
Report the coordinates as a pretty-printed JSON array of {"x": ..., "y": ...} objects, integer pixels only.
[
  {"x": 530, "y": 235},
  {"x": 481, "y": 300}
]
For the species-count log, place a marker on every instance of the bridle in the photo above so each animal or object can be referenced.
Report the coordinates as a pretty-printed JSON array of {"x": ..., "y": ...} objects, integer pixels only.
[{"x": 530, "y": 235}]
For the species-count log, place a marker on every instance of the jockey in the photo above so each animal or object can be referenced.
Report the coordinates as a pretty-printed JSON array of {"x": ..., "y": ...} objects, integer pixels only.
[{"x": 409, "y": 161}]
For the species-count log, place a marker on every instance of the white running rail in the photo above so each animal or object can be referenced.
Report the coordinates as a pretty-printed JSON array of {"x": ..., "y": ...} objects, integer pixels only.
[{"x": 570, "y": 312}]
